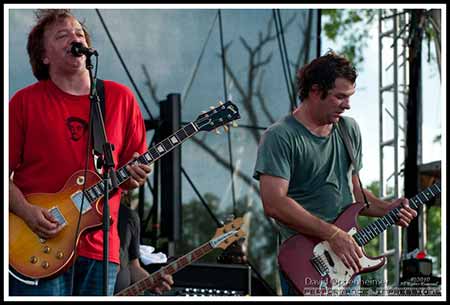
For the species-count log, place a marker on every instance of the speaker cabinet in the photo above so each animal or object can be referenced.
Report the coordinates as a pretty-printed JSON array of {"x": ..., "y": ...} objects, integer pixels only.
[{"x": 215, "y": 280}]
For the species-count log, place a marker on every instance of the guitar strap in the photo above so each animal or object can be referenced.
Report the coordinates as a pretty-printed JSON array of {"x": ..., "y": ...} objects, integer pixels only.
[
  {"x": 97, "y": 135},
  {"x": 343, "y": 132}
]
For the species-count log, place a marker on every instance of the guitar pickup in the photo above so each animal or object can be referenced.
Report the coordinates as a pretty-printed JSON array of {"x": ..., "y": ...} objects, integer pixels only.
[
  {"x": 78, "y": 199},
  {"x": 56, "y": 213}
]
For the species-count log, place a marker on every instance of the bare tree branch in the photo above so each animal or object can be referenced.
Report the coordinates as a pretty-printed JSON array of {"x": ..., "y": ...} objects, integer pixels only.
[
  {"x": 248, "y": 180},
  {"x": 262, "y": 100},
  {"x": 151, "y": 86}
]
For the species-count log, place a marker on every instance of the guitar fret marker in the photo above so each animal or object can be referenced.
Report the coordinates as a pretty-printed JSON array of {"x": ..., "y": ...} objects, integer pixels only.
[
  {"x": 147, "y": 157},
  {"x": 123, "y": 172},
  {"x": 174, "y": 140},
  {"x": 160, "y": 149},
  {"x": 122, "y": 175}
]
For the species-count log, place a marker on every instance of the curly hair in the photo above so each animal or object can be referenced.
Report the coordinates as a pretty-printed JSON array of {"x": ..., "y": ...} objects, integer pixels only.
[
  {"x": 323, "y": 72},
  {"x": 35, "y": 45}
]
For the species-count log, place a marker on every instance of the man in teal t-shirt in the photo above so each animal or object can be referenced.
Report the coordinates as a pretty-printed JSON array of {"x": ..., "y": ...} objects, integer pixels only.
[
  {"x": 317, "y": 167},
  {"x": 305, "y": 173}
]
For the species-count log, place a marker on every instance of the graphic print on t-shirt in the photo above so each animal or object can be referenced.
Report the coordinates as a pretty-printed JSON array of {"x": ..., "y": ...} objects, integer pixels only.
[{"x": 77, "y": 127}]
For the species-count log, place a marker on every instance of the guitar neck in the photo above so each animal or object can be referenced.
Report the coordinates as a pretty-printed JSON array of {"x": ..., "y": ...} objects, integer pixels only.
[
  {"x": 208, "y": 121},
  {"x": 153, "y": 154},
  {"x": 171, "y": 268},
  {"x": 157, "y": 151},
  {"x": 374, "y": 229}
]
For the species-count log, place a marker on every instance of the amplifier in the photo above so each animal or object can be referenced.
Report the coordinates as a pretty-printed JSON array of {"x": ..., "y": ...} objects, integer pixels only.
[
  {"x": 214, "y": 280},
  {"x": 417, "y": 267},
  {"x": 418, "y": 273}
]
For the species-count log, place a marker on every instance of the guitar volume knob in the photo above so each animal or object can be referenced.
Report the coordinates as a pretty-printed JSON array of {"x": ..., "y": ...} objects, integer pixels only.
[
  {"x": 46, "y": 249},
  {"x": 59, "y": 255},
  {"x": 33, "y": 259},
  {"x": 45, "y": 264}
]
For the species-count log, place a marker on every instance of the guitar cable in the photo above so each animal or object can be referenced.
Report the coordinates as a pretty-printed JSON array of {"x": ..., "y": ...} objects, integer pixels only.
[{"x": 88, "y": 148}]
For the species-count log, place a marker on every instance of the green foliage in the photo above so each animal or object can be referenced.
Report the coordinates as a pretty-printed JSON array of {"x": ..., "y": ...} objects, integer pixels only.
[
  {"x": 199, "y": 227},
  {"x": 351, "y": 29},
  {"x": 369, "y": 280},
  {"x": 433, "y": 245}
]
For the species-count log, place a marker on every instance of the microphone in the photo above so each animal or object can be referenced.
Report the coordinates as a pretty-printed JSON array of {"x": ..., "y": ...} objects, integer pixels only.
[{"x": 78, "y": 50}]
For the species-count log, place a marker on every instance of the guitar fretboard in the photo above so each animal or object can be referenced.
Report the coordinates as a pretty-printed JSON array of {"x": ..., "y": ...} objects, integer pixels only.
[
  {"x": 208, "y": 121},
  {"x": 95, "y": 192},
  {"x": 371, "y": 231},
  {"x": 173, "y": 267}
]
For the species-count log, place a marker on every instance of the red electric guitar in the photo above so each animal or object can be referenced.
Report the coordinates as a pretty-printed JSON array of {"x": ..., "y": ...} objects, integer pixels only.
[{"x": 314, "y": 269}]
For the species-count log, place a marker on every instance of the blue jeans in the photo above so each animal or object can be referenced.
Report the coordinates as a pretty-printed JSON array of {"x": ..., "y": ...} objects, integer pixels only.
[
  {"x": 351, "y": 290},
  {"x": 88, "y": 281}
]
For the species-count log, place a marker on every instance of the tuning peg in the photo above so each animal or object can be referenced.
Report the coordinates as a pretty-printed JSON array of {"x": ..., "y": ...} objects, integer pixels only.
[
  {"x": 225, "y": 128},
  {"x": 217, "y": 131},
  {"x": 211, "y": 107},
  {"x": 234, "y": 124},
  {"x": 220, "y": 103}
]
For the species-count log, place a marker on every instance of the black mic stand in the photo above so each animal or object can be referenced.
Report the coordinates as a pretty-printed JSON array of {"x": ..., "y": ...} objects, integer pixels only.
[{"x": 109, "y": 175}]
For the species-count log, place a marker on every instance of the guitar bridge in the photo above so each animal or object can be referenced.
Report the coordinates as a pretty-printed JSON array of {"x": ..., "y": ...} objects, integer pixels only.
[{"x": 320, "y": 266}]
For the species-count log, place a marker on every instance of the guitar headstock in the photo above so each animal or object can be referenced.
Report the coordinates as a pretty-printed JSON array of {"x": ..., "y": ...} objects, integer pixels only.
[
  {"x": 220, "y": 116},
  {"x": 228, "y": 234}
]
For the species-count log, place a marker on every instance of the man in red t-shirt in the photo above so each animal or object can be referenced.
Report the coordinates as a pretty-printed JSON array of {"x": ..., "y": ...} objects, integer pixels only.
[{"x": 48, "y": 137}]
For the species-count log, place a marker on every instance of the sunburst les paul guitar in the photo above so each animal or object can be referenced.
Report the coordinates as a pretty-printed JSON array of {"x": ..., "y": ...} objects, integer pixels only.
[
  {"x": 313, "y": 268},
  {"x": 224, "y": 237},
  {"x": 37, "y": 258}
]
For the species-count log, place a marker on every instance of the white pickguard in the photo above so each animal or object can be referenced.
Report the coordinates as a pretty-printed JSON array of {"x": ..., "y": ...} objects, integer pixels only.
[{"x": 339, "y": 275}]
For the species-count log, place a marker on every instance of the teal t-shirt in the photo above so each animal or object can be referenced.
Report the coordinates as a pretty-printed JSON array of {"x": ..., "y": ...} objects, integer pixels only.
[{"x": 318, "y": 168}]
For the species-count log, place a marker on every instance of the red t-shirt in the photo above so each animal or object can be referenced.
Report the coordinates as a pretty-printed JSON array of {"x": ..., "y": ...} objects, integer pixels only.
[{"x": 48, "y": 133}]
